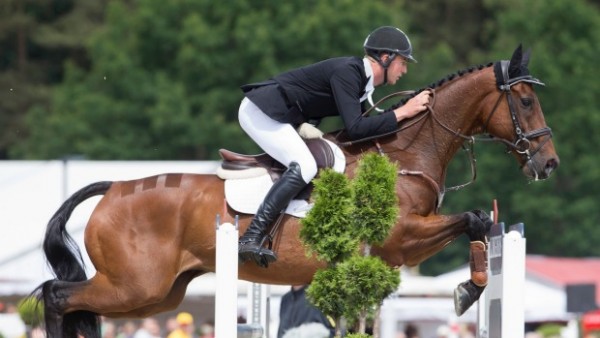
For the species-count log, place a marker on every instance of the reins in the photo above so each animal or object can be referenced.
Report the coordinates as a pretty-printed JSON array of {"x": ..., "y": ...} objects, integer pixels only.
[
  {"x": 521, "y": 145},
  {"x": 427, "y": 112}
]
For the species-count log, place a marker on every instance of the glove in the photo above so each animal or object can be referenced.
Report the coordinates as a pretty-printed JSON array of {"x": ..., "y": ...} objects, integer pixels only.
[{"x": 308, "y": 131}]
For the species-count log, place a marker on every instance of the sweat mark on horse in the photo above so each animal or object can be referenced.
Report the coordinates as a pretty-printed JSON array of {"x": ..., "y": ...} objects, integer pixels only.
[{"x": 148, "y": 244}]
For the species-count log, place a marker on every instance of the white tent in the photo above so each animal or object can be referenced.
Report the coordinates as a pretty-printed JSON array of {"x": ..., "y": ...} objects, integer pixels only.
[{"x": 31, "y": 191}]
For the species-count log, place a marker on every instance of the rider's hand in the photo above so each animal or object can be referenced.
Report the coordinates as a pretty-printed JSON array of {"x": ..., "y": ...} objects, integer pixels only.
[
  {"x": 413, "y": 106},
  {"x": 308, "y": 131}
]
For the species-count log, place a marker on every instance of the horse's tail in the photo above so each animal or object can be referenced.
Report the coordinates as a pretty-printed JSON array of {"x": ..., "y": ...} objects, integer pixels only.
[{"x": 64, "y": 256}]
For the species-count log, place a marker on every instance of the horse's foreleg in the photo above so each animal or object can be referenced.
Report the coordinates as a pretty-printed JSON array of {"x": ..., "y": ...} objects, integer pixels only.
[
  {"x": 468, "y": 292},
  {"x": 421, "y": 237}
]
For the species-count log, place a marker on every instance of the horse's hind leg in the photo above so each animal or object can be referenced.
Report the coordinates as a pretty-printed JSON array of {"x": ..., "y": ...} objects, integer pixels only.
[
  {"x": 60, "y": 324},
  {"x": 72, "y": 307},
  {"x": 170, "y": 302}
]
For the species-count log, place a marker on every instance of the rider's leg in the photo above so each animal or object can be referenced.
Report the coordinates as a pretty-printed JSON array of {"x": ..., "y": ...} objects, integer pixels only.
[{"x": 282, "y": 142}]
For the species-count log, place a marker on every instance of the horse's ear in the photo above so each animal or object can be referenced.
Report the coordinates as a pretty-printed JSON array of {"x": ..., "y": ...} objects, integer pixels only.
[
  {"x": 514, "y": 69},
  {"x": 525, "y": 58}
]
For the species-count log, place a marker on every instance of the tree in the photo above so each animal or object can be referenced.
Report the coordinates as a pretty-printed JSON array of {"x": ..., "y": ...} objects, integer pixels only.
[
  {"x": 353, "y": 285},
  {"x": 35, "y": 39},
  {"x": 164, "y": 77}
]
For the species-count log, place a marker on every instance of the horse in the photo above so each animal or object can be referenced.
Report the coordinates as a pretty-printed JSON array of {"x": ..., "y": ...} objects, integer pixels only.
[{"x": 148, "y": 238}]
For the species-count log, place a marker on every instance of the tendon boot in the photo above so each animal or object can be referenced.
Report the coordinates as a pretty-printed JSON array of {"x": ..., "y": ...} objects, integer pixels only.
[{"x": 250, "y": 245}]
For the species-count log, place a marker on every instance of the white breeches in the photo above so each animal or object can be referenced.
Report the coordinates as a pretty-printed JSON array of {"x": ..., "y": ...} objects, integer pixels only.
[{"x": 280, "y": 140}]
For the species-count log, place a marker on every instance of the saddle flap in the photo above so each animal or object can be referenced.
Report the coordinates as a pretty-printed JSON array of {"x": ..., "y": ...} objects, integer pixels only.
[{"x": 241, "y": 161}]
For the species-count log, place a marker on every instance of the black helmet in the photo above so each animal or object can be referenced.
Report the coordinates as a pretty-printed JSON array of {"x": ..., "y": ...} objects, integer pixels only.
[{"x": 388, "y": 39}]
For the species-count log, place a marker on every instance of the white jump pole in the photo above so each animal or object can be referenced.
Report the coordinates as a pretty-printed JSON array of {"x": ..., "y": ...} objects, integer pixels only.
[
  {"x": 502, "y": 312},
  {"x": 226, "y": 278}
]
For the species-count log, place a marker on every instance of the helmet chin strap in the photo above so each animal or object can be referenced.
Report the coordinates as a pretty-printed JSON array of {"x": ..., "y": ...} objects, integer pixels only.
[{"x": 385, "y": 66}]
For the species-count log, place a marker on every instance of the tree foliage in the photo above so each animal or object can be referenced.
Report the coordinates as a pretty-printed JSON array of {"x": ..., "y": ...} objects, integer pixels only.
[
  {"x": 164, "y": 76},
  {"x": 325, "y": 229},
  {"x": 31, "y": 311},
  {"x": 361, "y": 211},
  {"x": 375, "y": 200}
]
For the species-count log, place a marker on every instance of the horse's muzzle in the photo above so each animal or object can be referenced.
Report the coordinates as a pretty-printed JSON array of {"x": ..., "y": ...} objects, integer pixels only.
[{"x": 540, "y": 168}]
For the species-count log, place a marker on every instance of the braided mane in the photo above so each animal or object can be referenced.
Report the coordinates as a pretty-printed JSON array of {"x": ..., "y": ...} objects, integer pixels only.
[{"x": 443, "y": 81}]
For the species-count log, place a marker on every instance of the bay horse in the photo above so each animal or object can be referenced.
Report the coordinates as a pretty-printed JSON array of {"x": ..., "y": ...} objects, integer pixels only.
[{"x": 148, "y": 238}]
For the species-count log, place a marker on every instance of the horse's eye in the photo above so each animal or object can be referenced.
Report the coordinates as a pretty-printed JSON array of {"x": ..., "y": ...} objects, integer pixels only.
[{"x": 526, "y": 102}]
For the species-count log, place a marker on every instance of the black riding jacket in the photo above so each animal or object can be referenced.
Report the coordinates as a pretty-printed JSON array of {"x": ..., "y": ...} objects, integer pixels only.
[{"x": 327, "y": 88}]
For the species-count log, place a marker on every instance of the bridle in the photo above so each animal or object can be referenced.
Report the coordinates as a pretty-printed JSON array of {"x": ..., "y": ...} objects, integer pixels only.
[{"x": 521, "y": 145}]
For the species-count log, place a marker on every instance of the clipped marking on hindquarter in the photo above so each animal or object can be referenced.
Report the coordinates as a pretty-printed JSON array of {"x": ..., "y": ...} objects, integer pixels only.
[
  {"x": 127, "y": 188},
  {"x": 173, "y": 180},
  {"x": 148, "y": 183}
]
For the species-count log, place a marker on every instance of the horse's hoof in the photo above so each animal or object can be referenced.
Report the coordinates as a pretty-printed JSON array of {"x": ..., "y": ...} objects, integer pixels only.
[{"x": 465, "y": 295}]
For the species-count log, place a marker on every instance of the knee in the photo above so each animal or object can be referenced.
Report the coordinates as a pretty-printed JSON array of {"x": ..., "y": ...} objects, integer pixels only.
[
  {"x": 308, "y": 169},
  {"x": 478, "y": 225}
]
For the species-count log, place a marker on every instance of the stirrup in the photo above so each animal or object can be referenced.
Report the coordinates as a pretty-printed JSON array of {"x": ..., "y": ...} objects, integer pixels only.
[{"x": 256, "y": 251}]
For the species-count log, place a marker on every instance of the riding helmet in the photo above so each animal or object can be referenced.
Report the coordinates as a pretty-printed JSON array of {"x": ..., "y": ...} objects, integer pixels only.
[{"x": 388, "y": 39}]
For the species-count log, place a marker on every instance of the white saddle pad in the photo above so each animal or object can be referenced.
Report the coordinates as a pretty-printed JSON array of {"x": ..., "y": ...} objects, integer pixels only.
[{"x": 245, "y": 195}]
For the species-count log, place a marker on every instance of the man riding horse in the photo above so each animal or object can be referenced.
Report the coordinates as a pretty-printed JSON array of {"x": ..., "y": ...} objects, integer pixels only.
[{"x": 272, "y": 111}]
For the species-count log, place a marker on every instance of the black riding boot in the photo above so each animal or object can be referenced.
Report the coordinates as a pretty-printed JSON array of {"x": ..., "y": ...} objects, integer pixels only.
[{"x": 278, "y": 198}]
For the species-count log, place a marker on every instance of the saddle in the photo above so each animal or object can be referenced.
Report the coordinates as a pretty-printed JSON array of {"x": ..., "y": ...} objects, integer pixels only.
[
  {"x": 248, "y": 178},
  {"x": 234, "y": 162}
]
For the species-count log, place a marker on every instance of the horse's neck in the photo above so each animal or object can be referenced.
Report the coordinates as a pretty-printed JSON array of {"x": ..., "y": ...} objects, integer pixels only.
[{"x": 428, "y": 146}]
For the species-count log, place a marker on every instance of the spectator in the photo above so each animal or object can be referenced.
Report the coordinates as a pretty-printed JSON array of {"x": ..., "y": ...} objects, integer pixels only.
[
  {"x": 148, "y": 329},
  {"x": 127, "y": 330},
  {"x": 411, "y": 331},
  {"x": 296, "y": 312},
  {"x": 108, "y": 329},
  {"x": 185, "y": 326},
  {"x": 207, "y": 330}
]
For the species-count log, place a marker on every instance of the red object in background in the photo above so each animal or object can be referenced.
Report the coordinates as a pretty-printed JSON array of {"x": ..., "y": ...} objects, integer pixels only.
[{"x": 590, "y": 321}]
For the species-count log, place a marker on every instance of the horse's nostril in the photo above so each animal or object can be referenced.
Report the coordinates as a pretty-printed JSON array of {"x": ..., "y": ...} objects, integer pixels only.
[{"x": 551, "y": 165}]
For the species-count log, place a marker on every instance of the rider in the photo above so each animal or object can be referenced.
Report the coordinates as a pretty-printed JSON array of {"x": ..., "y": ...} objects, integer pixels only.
[{"x": 273, "y": 109}]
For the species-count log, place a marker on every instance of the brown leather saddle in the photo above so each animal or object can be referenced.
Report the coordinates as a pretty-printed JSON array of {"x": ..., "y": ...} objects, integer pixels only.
[{"x": 319, "y": 148}]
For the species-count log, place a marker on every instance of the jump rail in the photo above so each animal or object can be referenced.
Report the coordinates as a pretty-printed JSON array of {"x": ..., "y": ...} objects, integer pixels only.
[{"x": 501, "y": 309}]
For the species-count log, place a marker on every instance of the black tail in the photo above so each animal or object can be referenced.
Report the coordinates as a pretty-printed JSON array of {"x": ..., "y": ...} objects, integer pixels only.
[{"x": 65, "y": 258}]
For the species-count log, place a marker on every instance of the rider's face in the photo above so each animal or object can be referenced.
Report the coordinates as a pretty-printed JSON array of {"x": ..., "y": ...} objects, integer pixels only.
[{"x": 396, "y": 69}]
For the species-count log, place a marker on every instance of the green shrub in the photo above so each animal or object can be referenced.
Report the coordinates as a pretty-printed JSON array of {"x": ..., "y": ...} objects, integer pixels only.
[{"x": 31, "y": 311}]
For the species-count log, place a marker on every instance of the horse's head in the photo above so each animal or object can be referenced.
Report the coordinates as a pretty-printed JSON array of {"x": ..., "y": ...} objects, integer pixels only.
[{"x": 518, "y": 121}]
